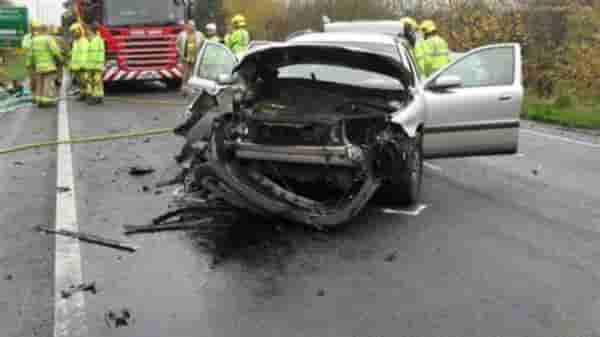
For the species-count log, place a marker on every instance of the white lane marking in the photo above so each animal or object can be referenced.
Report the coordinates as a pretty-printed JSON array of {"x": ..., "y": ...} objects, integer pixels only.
[
  {"x": 69, "y": 314},
  {"x": 412, "y": 211},
  {"x": 432, "y": 167},
  {"x": 564, "y": 139}
]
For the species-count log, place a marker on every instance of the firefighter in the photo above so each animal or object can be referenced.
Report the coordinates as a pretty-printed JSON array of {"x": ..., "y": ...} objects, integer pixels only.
[
  {"x": 432, "y": 52},
  {"x": 26, "y": 46},
  {"x": 211, "y": 33},
  {"x": 240, "y": 38},
  {"x": 58, "y": 36},
  {"x": 409, "y": 27},
  {"x": 188, "y": 46},
  {"x": 79, "y": 53},
  {"x": 94, "y": 66},
  {"x": 43, "y": 59}
]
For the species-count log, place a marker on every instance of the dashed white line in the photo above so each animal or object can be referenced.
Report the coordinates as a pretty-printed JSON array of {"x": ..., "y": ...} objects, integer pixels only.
[
  {"x": 412, "y": 211},
  {"x": 564, "y": 139},
  {"x": 69, "y": 314},
  {"x": 432, "y": 167}
]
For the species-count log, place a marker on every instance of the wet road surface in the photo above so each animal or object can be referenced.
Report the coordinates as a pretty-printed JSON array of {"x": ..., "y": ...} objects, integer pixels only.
[{"x": 507, "y": 246}]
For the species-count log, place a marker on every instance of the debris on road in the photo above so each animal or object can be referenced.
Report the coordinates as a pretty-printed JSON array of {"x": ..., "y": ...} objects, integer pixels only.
[
  {"x": 158, "y": 192},
  {"x": 118, "y": 320},
  {"x": 536, "y": 171},
  {"x": 8, "y": 277},
  {"x": 145, "y": 188},
  {"x": 84, "y": 287},
  {"x": 89, "y": 238},
  {"x": 18, "y": 163},
  {"x": 147, "y": 140},
  {"x": 63, "y": 189},
  {"x": 100, "y": 157},
  {"x": 321, "y": 292},
  {"x": 391, "y": 257},
  {"x": 175, "y": 226},
  {"x": 140, "y": 170}
]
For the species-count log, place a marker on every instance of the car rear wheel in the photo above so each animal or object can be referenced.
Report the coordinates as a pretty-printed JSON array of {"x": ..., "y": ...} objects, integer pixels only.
[{"x": 405, "y": 188}]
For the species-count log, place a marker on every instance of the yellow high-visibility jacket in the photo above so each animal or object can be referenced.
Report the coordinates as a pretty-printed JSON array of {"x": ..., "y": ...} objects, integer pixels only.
[
  {"x": 95, "y": 56},
  {"x": 239, "y": 41},
  {"x": 432, "y": 54},
  {"x": 79, "y": 54},
  {"x": 44, "y": 55}
]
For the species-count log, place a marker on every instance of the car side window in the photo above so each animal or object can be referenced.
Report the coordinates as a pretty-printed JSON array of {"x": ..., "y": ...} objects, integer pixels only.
[
  {"x": 215, "y": 60},
  {"x": 488, "y": 67}
]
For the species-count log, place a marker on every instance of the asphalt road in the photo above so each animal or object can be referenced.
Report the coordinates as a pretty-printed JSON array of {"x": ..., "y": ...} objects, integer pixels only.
[{"x": 507, "y": 246}]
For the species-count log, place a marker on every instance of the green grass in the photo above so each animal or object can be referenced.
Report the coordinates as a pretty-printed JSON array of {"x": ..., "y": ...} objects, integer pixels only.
[{"x": 564, "y": 111}]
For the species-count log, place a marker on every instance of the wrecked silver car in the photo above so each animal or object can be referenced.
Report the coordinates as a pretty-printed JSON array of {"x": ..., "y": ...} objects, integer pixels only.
[{"x": 309, "y": 130}]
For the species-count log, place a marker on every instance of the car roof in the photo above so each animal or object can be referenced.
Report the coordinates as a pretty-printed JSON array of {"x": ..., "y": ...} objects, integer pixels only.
[
  {"x": 346, "y": 37},
  {"x": 390, "y": 27}
]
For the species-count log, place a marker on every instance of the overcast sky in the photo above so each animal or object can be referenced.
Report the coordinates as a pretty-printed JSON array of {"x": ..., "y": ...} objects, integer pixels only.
[{"x": 47, "y": 11}]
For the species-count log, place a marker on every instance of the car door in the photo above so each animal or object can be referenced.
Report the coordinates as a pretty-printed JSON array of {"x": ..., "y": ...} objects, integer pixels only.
[
  {"x": 473, "y": 105},
  {"x": 214, "y": 59}
]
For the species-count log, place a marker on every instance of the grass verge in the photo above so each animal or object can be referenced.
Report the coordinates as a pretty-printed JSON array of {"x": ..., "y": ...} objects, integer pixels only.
[{"x": 563, "y": 111}]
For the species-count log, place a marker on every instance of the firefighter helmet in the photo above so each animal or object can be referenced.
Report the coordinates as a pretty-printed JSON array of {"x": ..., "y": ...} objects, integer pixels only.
[{"x": 428, "y": 27}]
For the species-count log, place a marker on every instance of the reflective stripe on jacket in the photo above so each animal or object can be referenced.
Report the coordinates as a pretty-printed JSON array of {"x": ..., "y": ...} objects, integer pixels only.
[
  {"x": 79, "y": 54},
  {"x": 239, "y": 41},
  {"x": 95, "y": 56},
  {"x": 44, "y": 55},
  {"x": 432, "y": 54}
]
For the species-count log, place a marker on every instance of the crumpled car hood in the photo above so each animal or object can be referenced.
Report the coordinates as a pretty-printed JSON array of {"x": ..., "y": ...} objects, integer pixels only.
[{"x": 277, "y": 55}]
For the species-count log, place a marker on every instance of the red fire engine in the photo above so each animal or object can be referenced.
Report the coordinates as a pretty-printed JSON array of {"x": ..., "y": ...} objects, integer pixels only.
[{"x": 140, "y": 37}]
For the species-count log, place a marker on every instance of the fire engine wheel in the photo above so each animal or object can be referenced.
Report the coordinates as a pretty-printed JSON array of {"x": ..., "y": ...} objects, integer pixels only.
[{"x": 173, "y": 84}]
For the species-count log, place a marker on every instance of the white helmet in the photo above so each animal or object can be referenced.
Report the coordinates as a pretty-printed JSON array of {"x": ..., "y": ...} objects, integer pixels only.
[{"x": 211, "y": 28}]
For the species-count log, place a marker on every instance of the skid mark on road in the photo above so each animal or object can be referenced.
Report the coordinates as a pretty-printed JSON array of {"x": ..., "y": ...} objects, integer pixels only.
[
  {"x": 69, "y": 314},
  {"x": 411, "y": 211}
]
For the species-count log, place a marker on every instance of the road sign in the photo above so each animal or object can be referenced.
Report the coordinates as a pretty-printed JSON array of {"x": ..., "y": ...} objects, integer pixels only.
[{"x": 13, "y": 25}]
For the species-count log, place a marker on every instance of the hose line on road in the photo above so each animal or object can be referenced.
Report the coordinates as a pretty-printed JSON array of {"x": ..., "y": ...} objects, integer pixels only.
[
  {"x": 87, "y": 140},
  {"x": 134, "y": 101}
]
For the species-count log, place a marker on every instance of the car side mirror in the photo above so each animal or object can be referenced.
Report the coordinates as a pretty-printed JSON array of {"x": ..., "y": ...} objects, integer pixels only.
[
  {"x": 225, "y": 79},
  {"x": 446, "y": 82}
]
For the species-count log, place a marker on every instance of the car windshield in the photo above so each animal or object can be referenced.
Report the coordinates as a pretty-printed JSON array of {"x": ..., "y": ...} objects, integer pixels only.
[
  {"x": 339, "y": 74},
  {"x": 138, "y": 12}
]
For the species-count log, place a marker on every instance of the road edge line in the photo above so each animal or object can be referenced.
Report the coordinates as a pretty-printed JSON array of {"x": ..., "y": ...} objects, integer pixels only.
[
  {"x": 69, "y": 314},
  {"x": 561, "y": 138}
]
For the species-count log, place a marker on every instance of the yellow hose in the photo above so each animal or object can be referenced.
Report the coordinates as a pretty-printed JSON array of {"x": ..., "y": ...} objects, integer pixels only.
[{"x": 86, "y": 140}]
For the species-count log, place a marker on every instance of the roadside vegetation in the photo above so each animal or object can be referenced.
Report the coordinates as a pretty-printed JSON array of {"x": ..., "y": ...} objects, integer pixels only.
[{"x": 560, "y": 39}]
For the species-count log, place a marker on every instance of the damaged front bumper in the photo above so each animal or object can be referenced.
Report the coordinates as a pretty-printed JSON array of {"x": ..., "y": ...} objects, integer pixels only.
[{"x": 227, "y": 179}]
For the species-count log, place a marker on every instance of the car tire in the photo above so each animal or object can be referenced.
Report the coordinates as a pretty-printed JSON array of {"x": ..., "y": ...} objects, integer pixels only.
[{"x": 405, "y": 189}]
